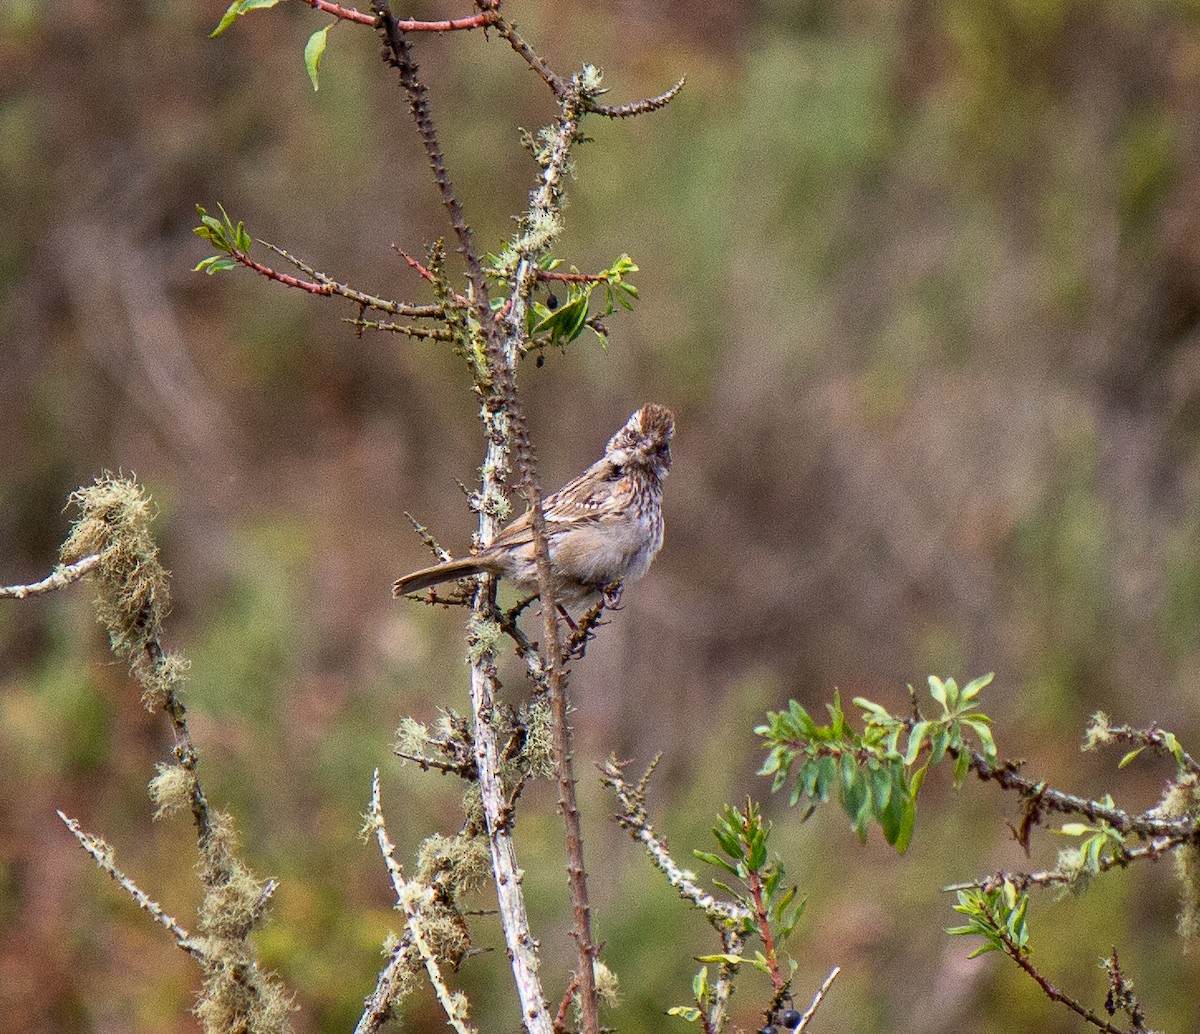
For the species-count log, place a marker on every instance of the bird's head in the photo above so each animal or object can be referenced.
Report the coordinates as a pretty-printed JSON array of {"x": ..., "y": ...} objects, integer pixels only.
[{"x": 644, "y": 442}]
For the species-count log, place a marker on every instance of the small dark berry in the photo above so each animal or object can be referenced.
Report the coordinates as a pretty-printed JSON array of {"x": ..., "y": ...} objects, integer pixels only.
[
  {"x": 790, "y": 1019},
  {"x": 551, "y": 301},
  {"x": 541, "y": 361}
]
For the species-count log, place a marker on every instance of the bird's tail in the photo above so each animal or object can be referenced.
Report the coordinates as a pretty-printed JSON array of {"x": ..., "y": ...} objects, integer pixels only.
[{"x": 439, "y": 573}]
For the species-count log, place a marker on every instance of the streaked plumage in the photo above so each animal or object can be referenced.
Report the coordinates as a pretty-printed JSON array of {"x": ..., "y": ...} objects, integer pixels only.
[{"x": 603, "y": 527}]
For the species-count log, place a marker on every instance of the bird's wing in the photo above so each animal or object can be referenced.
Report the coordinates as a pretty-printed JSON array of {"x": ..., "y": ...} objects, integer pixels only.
[{"x": 582, "y": 501}]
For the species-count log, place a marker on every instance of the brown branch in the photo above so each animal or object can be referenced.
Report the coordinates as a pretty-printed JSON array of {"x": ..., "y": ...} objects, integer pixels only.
[
  {"x": 1051, "y": 991},
  {"x": 560, "y": 1018},
  {"x": 642, "y": 107},
  {"x": 427, "y": 274},
  {"x": 474, "y": 21},
  {"x": 407, "y": 329},
  {"x": 326, "y": 285},
  {"x": 400, "y": 57},
  {"x": 572, "y": 278},
  {"x": 1042, "y": 796},
  {"x": 508, "y": 32},
  {"x": 1156, "y": 740},
  {"x": 545, "y": 201}
]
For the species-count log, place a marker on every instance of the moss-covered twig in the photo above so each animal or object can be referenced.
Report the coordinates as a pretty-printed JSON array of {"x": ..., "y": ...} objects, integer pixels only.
[
  {"x": 133, "y": 599},
  {"x": 410, "y": 896}
]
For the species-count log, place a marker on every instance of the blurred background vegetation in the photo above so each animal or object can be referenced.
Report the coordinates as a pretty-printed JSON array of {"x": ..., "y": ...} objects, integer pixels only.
[{"x": 921, "y": 279}]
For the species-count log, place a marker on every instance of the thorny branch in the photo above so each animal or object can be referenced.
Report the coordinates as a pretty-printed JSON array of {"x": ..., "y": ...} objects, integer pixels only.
[
  {"x": 102, "y": 855},
  {"x": 726, "y": 917},
  {"x": 1051, "y": 991},
  {"x": 1038, "y": 797},
  {"x": 325, "y": 285}
]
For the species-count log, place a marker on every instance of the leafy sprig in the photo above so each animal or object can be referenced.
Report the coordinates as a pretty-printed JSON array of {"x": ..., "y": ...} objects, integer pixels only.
[
  {"x": 222, "y": 234},
  {"x": 875, "y": 773},
  {"x": 771, "y": 909}
]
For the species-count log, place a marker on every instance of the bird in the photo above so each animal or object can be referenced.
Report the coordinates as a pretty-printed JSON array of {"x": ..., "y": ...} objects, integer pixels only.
[{"x": 602, "y": 528}]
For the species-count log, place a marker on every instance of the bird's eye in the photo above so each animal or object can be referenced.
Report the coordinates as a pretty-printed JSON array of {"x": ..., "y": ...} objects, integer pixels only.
[{"x": 615, "y": 473}]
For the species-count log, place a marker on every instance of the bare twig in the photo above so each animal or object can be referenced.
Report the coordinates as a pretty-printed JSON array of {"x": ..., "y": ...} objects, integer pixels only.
[
  {"x": 818, "y": 998},
  {"x": 326, "y": 285},
  {"x": 633, "y": 819},
  {"x": 426, "y": 537},
  {"x": 344, "y": 13},
  {"x": 408, "y": 330},
  {"x": 102, "y": 855},
  {"x": 560, "y": 1018},
  {"x": 1157, "y": 740},
  {"x": 642, "y": 107},
  {"x": 508, "y": 32},
  {"x": 1039, "y": 796},
  {"x": 400, "y": 56},
  {"x": 1054, "y": 993},
  {"x": 427, "y": 274},
  {"x": 62, "y": 576},
  {"x": 544, "y": 205}
]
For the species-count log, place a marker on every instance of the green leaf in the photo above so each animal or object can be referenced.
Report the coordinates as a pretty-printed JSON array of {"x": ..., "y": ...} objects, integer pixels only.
[
  {"x": 916, "y": 740},
  {"x": 983, "y": 950},
  {"x": 685, "y": 1012},
  {"x": 712, "y": 859},
  {"x": 972, "y": 688},
  {"x": 215, "y": 264},
  {"x": 700, "y": 984},
  {"x": 242, "y": 239},
  {"x": 962, "y": 766},
  {"x": 987, "y": 742},
  {"x": 566, "y": 321},
  {"x": 725, "y": 957},
  {"x": 908, "y": 819},
  {"x": 314, "y": 50},
  {"x": 937, "y": 745},
  {"x": 1075, "y": 829},
  {"x": 1128, "y": 758},
  {"x": 236, "y": 10},
  {"x": 937, "y": 690}
]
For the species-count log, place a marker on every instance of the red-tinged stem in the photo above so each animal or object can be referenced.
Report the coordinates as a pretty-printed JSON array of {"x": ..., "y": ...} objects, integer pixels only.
[
  {"x": 560, "y": 1019},
  {"x": 764, "y": 928},
  {"x": 284, "y": 278},
  {"x": 427, "y": 274},
  {"x": 348, "y": 14},
  {"x": 475, "y": 21}
]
